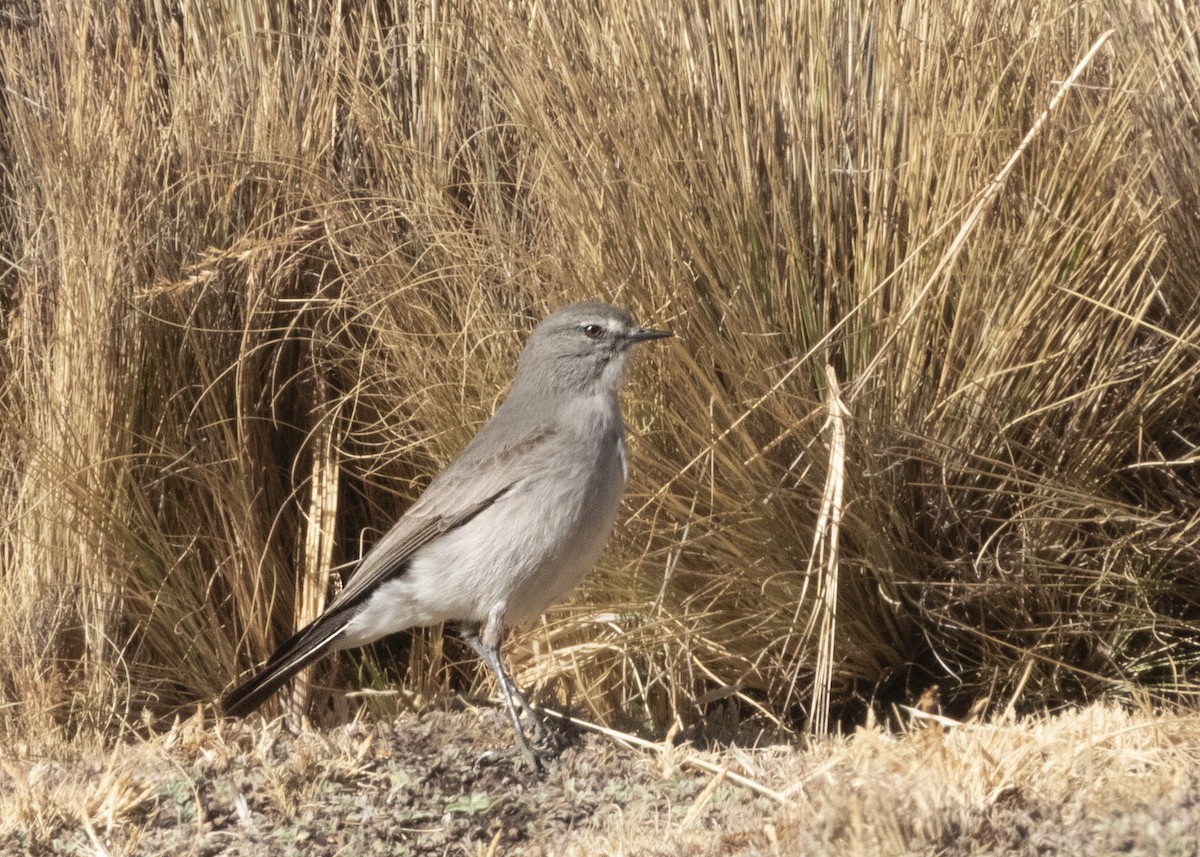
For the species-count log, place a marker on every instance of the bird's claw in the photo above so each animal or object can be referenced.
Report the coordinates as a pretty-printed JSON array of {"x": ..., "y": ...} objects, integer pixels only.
[{"x": 527, "y": 753}]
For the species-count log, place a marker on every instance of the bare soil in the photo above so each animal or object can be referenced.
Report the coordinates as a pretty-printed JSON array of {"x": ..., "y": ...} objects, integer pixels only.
[{"x": 1098, "y": 781}]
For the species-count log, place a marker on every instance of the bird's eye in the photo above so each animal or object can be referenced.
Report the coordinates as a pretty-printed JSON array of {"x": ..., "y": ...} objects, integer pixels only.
[{"x": 592, "y": 331}]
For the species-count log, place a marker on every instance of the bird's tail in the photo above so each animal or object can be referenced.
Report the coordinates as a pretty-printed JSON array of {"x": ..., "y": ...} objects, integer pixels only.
[{"x": 297, "y": 652}]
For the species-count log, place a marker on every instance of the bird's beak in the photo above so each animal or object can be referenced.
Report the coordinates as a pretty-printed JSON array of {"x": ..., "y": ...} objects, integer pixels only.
[{"x": 645, "y": 334}]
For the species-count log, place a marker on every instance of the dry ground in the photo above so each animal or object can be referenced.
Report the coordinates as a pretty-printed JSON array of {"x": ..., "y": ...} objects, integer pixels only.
[{"x": 1095, "y": 781}]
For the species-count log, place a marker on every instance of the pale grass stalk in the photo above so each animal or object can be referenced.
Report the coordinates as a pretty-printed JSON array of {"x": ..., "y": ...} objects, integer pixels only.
[
  {"x": 320, "y": 520},
  {"x": 825, "y": 546},
  {"x": 823, "y": 564}
]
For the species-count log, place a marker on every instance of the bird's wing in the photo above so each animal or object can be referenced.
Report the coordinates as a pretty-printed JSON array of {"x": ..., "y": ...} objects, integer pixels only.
[{"x": 470, "y": 485}]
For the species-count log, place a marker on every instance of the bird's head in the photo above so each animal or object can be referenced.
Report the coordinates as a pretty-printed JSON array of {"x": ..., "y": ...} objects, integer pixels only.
[{"x": 581, "y": 348}]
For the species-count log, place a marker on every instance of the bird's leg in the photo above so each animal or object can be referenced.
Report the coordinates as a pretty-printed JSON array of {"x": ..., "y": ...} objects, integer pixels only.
[
  {"x": 491, "y": 636},
  {"x": 513, "y": 698},
  {"x": 537, "y": 726}
]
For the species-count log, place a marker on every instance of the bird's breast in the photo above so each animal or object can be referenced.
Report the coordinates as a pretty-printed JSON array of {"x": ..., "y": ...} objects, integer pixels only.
[
  {"x": 533, "y": 545},
  {"x": 570, "y": 513}
]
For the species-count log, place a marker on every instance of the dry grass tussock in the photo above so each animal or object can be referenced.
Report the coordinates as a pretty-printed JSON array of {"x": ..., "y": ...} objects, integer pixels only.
[
  {"x": 265, "y": 267},
  {"x": 1098, "y": 780}
]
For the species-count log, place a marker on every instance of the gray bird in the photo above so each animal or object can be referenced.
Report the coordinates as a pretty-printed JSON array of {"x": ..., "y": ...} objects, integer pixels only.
[{"x": 509, "y": 527}]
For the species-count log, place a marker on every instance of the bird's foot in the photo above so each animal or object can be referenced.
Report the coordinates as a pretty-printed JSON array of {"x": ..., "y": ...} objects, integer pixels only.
[
  {"x": 533, "y": 720},
  {"x": 535, "y": 744},
  {"x": 533, "y": 757}
]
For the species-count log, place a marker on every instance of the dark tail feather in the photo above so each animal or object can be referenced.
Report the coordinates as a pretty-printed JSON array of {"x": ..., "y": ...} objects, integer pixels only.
[{"x": 298, "y": 651}]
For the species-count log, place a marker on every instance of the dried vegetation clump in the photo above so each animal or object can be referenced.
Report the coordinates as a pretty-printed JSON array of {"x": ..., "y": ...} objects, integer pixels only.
[{"x": 930, "y": 415}]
